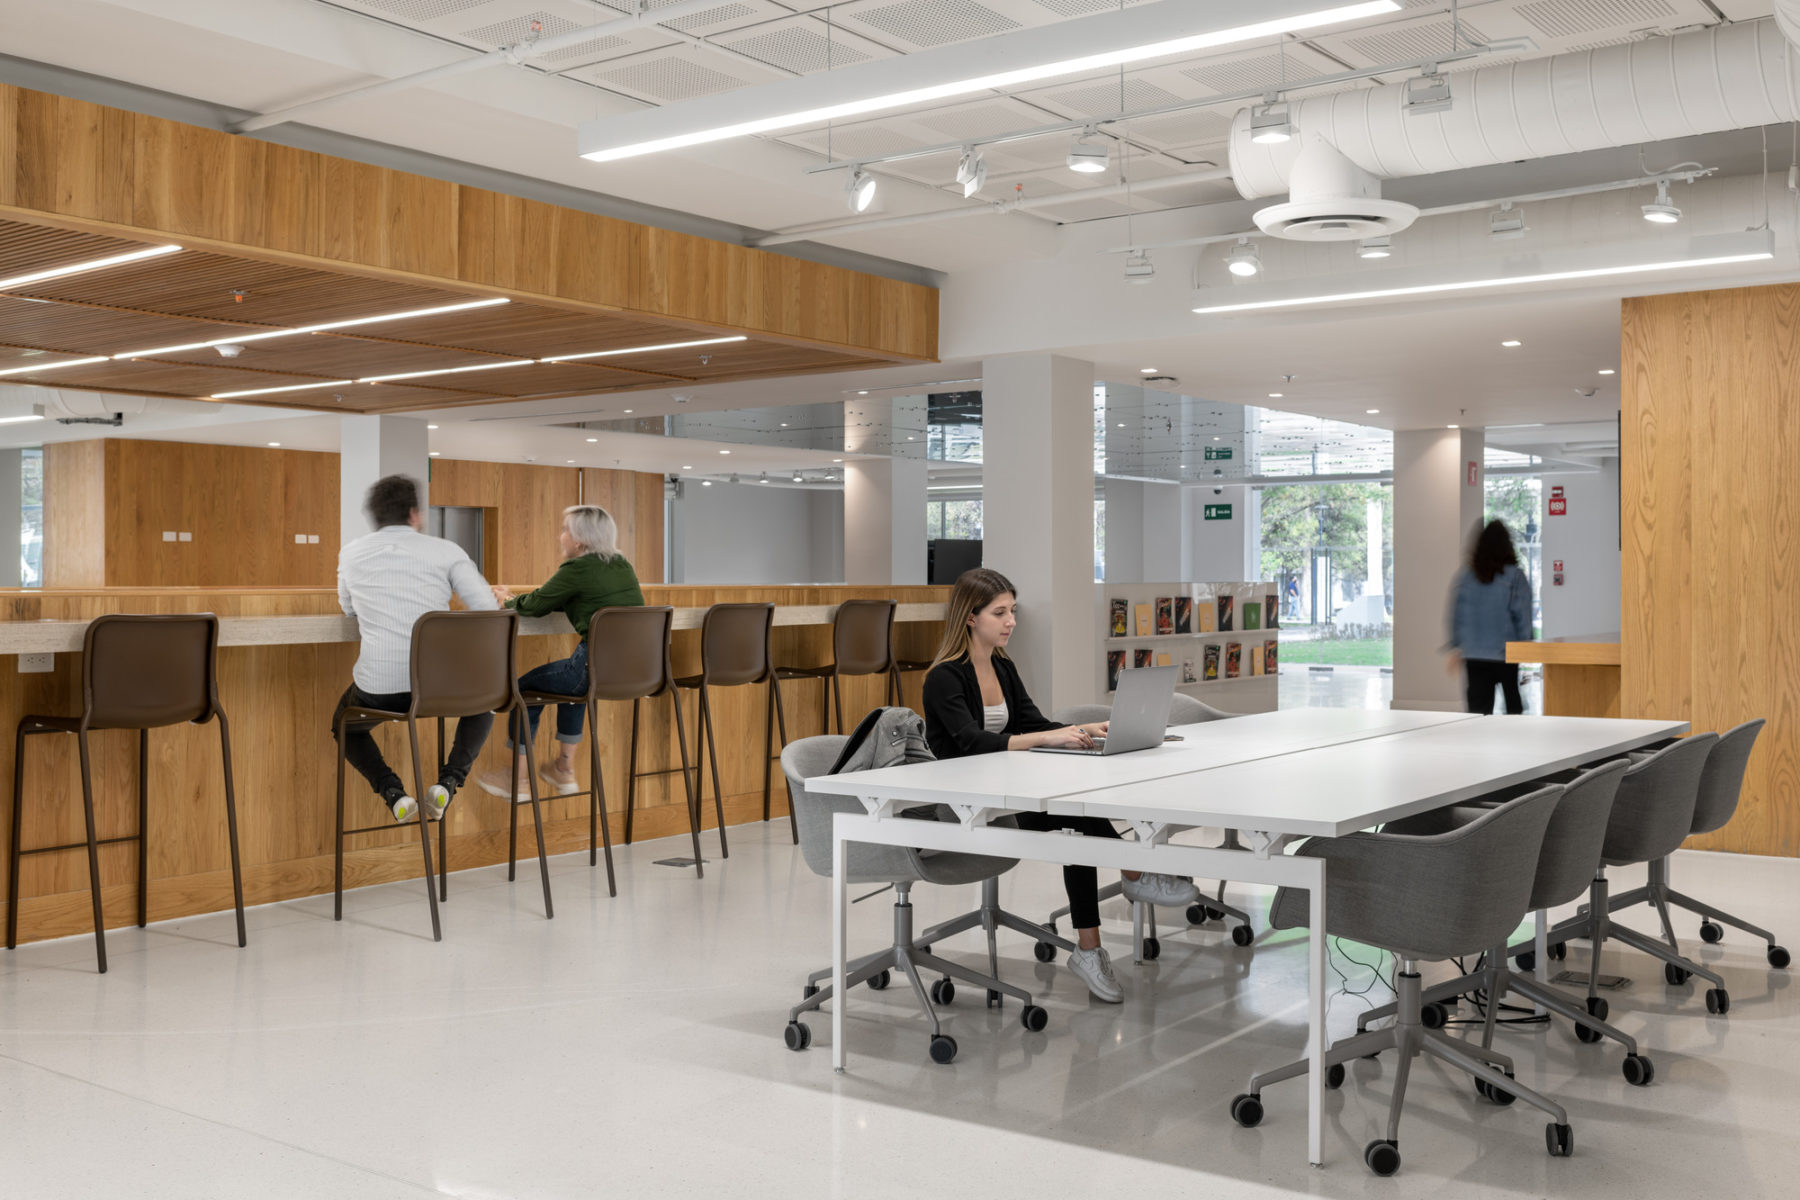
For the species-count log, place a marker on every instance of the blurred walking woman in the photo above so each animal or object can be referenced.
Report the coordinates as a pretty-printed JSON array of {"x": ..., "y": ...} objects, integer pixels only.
[
  {"x": 1490, "y": 606},
  {"x": 593, "y": 576}
]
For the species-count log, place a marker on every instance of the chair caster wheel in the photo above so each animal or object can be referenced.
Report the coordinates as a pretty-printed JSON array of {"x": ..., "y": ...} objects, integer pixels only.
[
  {"x": 943, "y": 1049},
  {"x": 1710, "y": 933},
  {"x": 1559, "y": 1140},
  {"x": 996, "y": 999},
  {"x": 1778, "y": 958},
  {"x": 1382, "y": 1157},
  {"x": 809, "y": 991},
  {"x": 1334, "y": 1076},
  {"x": 1526, "y": 962},
  {"x": 1673, "y": 975},
  {"x": 879, "y": 981},
  {"x": 1247, "y": 1110},
  {"x": 798, "y": 1036},
  {"x": 1587, "y": 1033},
  {"x": 1196, "y": 914},
  {"x": 1494, "y": 1095},
  {"x": 1034, "y": 1019},
  {"x": 1152, "y": 949},
  {"x": 1044, "y": 952},
  {"x": 1214, "y": 914},
  {"x": 1718, "y": 1001},
  {"x": 1559, "y": 950},
  {"x": 1050, "y": 925},
  {"x": 1638, "y": 1070},
  {"x": 1241, "y": 935},
  {"x": 943, "y": 992},
  {"x": 1597, "y": 1007},
  {"x": 1434, "y": 1016}
]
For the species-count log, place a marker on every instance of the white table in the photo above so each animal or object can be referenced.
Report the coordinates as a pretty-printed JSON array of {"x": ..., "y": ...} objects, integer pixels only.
[{"x": 1270, "y": 776}]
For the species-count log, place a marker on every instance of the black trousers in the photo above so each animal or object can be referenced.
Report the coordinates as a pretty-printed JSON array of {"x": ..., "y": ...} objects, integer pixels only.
[
  {"x": 1081, "y": 883},
  {"x": 1484, "y": 675},
  {"x": 361, "y": 752}
]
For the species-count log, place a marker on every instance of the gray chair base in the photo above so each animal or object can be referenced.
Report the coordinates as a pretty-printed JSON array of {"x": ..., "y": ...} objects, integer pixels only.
[
  {"x": 1409, "y": 1037},
  {"x": 1595, "y": 924},
  {"x": 909, "y": 957},
  {"x": 1658, "y": 894},
  {"x": 991, "y": 918}
]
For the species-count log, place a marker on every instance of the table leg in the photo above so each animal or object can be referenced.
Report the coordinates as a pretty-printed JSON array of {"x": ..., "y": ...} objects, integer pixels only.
[
  {"x": 840, "y": 902},
  {"x": 1315, "y": 993}
]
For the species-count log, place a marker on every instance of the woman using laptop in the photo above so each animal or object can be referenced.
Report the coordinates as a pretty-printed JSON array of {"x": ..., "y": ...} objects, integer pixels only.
[{"x": 975, "y": 703}]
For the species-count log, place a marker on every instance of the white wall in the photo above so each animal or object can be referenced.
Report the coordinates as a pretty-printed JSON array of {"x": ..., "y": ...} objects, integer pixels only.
[
  {"x": 1587, "y": 542},
  {"x": 757, "y": 534},
  {"x": 1221, "y": 550}
]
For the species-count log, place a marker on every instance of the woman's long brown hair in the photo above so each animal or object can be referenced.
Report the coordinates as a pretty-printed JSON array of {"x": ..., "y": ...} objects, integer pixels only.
[{"x": 975, "y": 590}]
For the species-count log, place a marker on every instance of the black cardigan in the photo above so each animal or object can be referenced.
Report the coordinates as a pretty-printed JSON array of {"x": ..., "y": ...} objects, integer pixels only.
[{"x": 954, "y": 721}]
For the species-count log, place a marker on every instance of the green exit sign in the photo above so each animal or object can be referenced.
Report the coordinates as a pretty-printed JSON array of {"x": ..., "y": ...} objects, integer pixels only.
[
  {"x": 1218, "y": 512},
  {"x": 1218, "y": 453}
]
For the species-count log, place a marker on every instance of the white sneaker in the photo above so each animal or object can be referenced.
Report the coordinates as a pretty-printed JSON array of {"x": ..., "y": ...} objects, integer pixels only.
[
  {"x": 1164, "y": 891},
  {"x": 403, "y": 807},
  {"x": 437, "y": 799},
  {"x": 1094, "y": 968}
]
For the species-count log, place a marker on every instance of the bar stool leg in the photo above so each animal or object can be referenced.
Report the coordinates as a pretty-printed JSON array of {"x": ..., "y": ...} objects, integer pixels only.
[
  {"x": 231, "y": 829},
  {"x": 768, "y": 733},
  {"x": 18, "y": 825},
  {"x": 699, "y": 747},
  {"x": 825, "y": 704},
  {"x": 93, "y": 849},
  {"x": 418, "y": 764},
  {"x": 337, "y": 906},
  {"x": 712, "y": 753},
  {"x": 781, "y": 729},
  {"x": 143, "y": 838},
  {"x": 693, "y": 804},
  {"x": 631, "y": 774},
  {"x": 837, "y": 696},
  {"x": 537, "y": 818},
  {"x": 512, "y": 801},
  {"x": 443, "y": 843},
  {"x": 597, "y": 795}
]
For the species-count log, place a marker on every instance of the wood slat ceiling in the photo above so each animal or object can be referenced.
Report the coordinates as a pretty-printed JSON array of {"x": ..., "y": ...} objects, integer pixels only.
[{"x": 195, "y": 296}]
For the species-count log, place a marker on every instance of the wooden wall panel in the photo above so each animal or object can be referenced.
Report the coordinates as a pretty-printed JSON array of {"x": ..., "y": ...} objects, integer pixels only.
[
  {"x": 75, "y": 514},
  {"x": 635, "y": 500},
  {"x": 1711, "y": 630}
]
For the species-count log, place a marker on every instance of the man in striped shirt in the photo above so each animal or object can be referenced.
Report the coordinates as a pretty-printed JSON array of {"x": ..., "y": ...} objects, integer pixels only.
[{"x": 387, "y": 580}]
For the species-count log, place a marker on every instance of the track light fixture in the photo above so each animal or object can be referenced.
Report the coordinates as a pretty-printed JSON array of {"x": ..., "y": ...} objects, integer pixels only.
[
  {"x": 1138, "y": 268},
  {"x": 1244, "y": 259},
  {"x": 859, "y": 192},
  {"x": 1271, "y": 122},
  {"x": 971, "y": 172},
  {"x": 1506, "y": 222},
  {"x": 1662, "y": 211},
  {"x": 1088, "y": 157},
  {"x": 1375, "y": 247},
  {"x": 1427, "y": 93}
]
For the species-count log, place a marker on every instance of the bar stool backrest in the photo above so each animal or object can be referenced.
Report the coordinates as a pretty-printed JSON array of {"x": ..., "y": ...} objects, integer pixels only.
[
  {"x": 862, "y": 637},
  {"x": 1723, "y": 777},
  {"x": 142, "y": 672},
  {"x": 734, "y": 643},
  {"x": 628, "y": 652},
  {"x": 464, "y": 663}
]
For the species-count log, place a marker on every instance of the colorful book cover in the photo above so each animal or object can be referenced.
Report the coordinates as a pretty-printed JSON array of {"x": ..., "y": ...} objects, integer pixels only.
[
  {"x": 1187, "y": 671},
  {"x": 1165, "y": 615},
  {"x": 1115, "y": 662},
  {"x": 1184, "y": 614},
  {"x": 1256, "y": 661},
  {"x": 1252, "y": 615},
  {"x": 1120, "y": 617},
  {"x": 1206, "y": 619},
  {"x": 1143, "y": 620},
  {"x": 1224, "y": 614},
  {"x": 1141, "y": 656},
  {"x": 1269, "y": 658},
  {"x": 1212, "y": 662},
  {"x": 1271, "y": 612},
  {"x": 1234, "y": 657},
  {"x": 1163, "y": 659}
]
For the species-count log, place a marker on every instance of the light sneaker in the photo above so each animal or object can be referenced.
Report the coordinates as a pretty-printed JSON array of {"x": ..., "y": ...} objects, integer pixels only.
[
  {"x": 1094, "y": 968},
  {"x": 1164, "y": 891},
  {"x": 437, "y": 799},
  {"x": 403, "y": 807},
  {"x": 503, "y": 783},
  {"x": 562, "y": 783}
]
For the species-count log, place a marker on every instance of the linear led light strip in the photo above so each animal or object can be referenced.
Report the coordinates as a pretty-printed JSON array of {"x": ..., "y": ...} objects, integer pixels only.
[
  {"x": 1046, "y": 39},
  {"x": 1473, "y": 284},
  {"x": 97, "y": 264},
  {"x": 719, "y": 341},
  {"x": 321, "y": 327}
]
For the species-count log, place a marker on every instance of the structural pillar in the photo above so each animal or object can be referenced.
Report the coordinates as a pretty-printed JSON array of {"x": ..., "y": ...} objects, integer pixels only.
[
  {"x": 884, "y": 497},
  {"x": 370, "y": 448},
  {"x": 1037, "y": 416},
  {"x": 12, "y": 517},
  {"x": 1438, "y": 503}
]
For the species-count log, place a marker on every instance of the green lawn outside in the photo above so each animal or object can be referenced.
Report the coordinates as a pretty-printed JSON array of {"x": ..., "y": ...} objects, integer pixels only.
[{"x": 1370, "y": 652}]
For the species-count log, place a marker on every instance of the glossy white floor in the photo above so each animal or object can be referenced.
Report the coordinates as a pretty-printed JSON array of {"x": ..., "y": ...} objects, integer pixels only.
[{"x": 632, "y": 1046}]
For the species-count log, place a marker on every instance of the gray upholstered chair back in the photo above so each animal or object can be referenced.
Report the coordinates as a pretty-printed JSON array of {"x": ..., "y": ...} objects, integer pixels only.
[
  {"x": 1448, "y": 894},
  {"x": 1654, "y": 809},
  {"x": 1723, "y": 777},
  {"x": 1576, "y": 833},
  {"x": 808, "y": 758},
  {"x": 1081, "y": 714},
  {"x": 1185, "y": 710}
]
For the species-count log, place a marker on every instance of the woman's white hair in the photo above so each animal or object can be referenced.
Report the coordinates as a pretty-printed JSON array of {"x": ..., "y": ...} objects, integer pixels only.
[{"x": 593, "y": 529}]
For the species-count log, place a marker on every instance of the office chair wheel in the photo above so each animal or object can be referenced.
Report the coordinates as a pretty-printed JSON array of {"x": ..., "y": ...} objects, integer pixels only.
[
  {"x": 1718, "y": 1001},
  {"x": 1214, "y": 914},
  {"x": 809, "y": 991},
  {"x": 1044, "y": 952},
  {"x": 1526, "y": 962},
  {"x": 1152, "y": 949},
  {"x": 1597, "y": 1007},
  {"x": 1711, "y": 934},
  {"x": 879, "y": 981},
  {"x": 1674, "y": 975},
  {"x": 1034, "y": 1018},
  {"x": 1559, "y": 950},
  {"x": 1559, "y": 1140},
  {"x": 1383, "y": 1157},
  {"x": 996, "y": 999},
  {"x": 798, "y": 1036},
  {"x": 1050, "y": 925},
  {"x": 943, "y": 992},
  {"x": 1778, "y": 958},
  {"x": 943, "y": 1048},
  {"x": 1587, "y": 1033},
  {"x": 1241, "y": 935},
  {"x": 1638, "y": 1070},
  {"x": 1434, "y": 1016},
  {"x": 1494, "y": 1095},
  {"x": 1247, "y": 1110},
  {"x": 1334, "y": 1076},
  {"x": 1197, "y": 914}
]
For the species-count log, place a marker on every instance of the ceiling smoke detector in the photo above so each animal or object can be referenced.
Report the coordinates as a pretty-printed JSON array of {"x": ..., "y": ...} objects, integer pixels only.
[
  {"x": 1331, "y": 199},
  {"x": 229, "y": 349}
]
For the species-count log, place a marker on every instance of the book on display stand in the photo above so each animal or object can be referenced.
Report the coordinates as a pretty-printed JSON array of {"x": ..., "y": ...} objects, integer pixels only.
[
  {"x": 1120, "y": 617},
  {"x": 1165, "y": 616},
  {"x": 1184, "y": 614}
]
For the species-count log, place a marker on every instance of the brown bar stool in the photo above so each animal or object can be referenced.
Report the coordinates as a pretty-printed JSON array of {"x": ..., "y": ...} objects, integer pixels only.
[
  {"x": 734, "y": 650},
  {"x": 463, "y": 664},
  {"x": 862, "y": 643},
  {"x": 628, "y": 659},
  {"x": 142, "y": 673}
]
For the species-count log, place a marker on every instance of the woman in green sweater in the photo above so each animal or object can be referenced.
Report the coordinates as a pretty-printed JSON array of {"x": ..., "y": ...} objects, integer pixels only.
[{"x": 593, "y": 576}]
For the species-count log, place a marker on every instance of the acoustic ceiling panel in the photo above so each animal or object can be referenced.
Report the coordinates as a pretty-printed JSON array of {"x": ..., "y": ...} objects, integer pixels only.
[
  {"x": 922, "y": 23},
  {"x": 796, "y": 48},
  {"x": 1577, "y": 18}
]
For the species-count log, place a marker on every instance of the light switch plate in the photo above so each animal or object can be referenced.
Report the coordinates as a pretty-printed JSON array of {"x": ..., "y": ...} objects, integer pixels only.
[
  {"x": 168, "y": 535},
  {"x": 187, "y": 537},
  {"x": 31, "y": 664},
  {"x": 299, "y": 539}
]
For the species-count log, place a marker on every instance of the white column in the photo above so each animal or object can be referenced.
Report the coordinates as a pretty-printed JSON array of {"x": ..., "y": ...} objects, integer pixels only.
[
  {"x": 1585, "y": 539},
  {"x": 1438, "y": 502},
  {"x": 1038, "y": 517},
  {"x": 884, "y": 521},
  {"x": 1223, "y": 549},
  {"x": 11, "y": 517},
  {"x": 370, "y": 448},
  {"x": 1124, "y": 514}
]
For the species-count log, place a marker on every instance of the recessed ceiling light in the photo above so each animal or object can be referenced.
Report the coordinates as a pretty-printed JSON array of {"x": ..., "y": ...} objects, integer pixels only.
[
  {"x": 431, "y": 427},
  {"x": 1453, "y": 427},
  {"x": 320, "y": 327},
  {"x": 1275, "y": 395},
  {"x": 593, "y": 439},
  {"x": 724, "y": 452},
  {"x": 274, "y": 443},
  {"x": 837, "y": 460},
  {"x": 1510, "y": 343},
  {"x": 718, "y": 341},
  {"x": 1146, "y": 370},
  {"x": 784, "y": 424},
  {"x": 55, "y": 366},
  {"x": 1371, "y": 411},
  {"x": 1608, "y": 371},
  {"x": 96, "y": 264},
  {"x": 687, "y": 467},
  {"x": 1215, "y": 438},
  {"x": 706, "y": 483},
  {"x": 434, "y": 453}
]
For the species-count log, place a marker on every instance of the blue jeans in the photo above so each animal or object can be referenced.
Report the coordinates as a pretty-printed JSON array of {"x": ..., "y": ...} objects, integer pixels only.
[{"x": 568, "y": 677}]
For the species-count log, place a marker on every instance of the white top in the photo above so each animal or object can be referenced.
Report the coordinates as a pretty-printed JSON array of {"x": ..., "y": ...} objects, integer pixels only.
[
  {"x": 993, "y": 717},
  {"x": 387, "y": 580}
]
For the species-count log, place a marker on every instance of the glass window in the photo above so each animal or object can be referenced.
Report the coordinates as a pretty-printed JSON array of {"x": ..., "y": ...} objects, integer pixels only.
[{"x": 31, "y": 524}]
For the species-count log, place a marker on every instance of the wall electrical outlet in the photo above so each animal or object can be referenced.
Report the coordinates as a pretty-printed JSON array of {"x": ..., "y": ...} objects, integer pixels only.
[
  {"x": 299, "y": 539},
  {"x": 187, "y": 537},
  {"x": 32, "y": 664},
  {"x": 312, "y": 539},
  {"x": 168, "y": 535}
]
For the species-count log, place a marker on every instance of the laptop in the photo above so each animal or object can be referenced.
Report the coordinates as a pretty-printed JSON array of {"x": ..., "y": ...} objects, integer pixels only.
[{"x": 1140, "y": 713}]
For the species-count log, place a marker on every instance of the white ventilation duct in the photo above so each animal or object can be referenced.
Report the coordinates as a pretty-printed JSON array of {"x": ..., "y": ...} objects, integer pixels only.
[
  {"x": 1728, "y": 77},
  {"x": 1331, "y": 199}
]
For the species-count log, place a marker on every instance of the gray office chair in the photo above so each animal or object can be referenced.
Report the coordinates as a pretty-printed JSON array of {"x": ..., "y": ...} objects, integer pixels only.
[
  {"x": 810, "y": 757},
  {"x": 1650, "y": 818},
  {"x": 1435, "y": 897},
  {"x": 1570, "y": 856},
  {"x": 1720, "y": 785}
]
